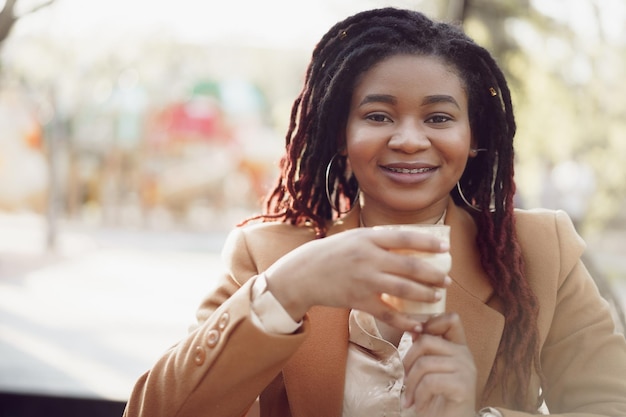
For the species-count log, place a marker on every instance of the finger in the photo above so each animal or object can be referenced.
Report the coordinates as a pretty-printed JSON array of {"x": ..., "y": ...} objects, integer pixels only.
[
  {"x": 426, "y": 346},
  {"x": 370, "y": 253},
  {"x": 448, "y": 326},
  {"x": 414, "y": 267},
  {"x": 364, "y": 287},
  {"x": 423, "y": 366},
  {"x": 407, "y": 289},
  {"x": 404, "y": 276},
  {"x": 422, "y": 395},
  {"x": 407, "y": 239},
  {"x": 394, "y": 318},
  {"x": 452, "y": 376},
  {"x": 365, "y": 255},
  {"x": 449, "y": 388}
]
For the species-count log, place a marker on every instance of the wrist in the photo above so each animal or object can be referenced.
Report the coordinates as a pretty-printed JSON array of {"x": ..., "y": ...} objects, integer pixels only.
[
  {"x": 488, "y": 412},
  {"x": 267, "y": 313},
  {"x": 291, "y": 303}
]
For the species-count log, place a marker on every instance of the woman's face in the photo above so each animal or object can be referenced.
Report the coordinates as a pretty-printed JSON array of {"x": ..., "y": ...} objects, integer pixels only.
[{"x": 407, "y": 137}]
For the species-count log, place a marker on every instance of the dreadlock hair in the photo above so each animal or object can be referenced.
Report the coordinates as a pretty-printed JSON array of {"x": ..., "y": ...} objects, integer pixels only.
[{"x": 318, "y": 119}]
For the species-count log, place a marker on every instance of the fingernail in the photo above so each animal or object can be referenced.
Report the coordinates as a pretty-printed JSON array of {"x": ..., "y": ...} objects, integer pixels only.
[
  {"x": 444, "y": 246},
  {"x": 438, "y": 294},
  {"x": 418, "y": 328},
  {"x": 447, "y": 281}
]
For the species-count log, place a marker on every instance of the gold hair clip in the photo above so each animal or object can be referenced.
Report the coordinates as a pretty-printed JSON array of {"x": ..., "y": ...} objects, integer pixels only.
[
  {"x": 493, "y": 91},
  {"x": 343, "y": 34}
]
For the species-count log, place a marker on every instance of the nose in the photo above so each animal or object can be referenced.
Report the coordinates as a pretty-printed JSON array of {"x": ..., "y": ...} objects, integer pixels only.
[{"x": 409, "y": 137}]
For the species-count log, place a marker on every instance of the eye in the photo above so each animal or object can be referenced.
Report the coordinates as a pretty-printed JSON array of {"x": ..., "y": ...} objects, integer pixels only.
[
  {"x": 378, "y": 117},
  {"x": 438, "y": 118}
]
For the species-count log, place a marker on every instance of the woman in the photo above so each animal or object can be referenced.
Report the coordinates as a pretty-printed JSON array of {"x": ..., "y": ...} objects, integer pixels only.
[{"x": 401, "y": 120}]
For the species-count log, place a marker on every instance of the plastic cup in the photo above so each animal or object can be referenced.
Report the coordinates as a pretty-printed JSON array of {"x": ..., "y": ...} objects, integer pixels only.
[{"x": 441, "y": 260}]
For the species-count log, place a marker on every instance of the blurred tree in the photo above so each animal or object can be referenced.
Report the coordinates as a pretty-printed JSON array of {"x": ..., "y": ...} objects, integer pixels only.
[
  {"x": 8, "y": 16},
  {"x": 568, "y": 94},
  {"x": 565, "y": 79},
  {"x": 453, "y": 10}
]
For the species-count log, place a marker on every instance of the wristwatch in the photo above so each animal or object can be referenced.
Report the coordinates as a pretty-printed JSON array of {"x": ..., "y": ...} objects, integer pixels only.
[{"x": 488, "y": 412}]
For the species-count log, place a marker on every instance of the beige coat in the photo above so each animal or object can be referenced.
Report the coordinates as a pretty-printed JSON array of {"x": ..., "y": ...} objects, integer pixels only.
[{"x": 226, "y": 362}]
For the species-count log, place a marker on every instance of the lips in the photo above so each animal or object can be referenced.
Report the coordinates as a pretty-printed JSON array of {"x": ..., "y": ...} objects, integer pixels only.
[
  {"x": 409, "y": 173},
  {"x": 410, "y": 170}
]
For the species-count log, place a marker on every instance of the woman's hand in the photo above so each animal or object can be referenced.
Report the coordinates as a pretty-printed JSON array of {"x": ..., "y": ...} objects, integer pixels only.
[
  {"x": 353, "y": 268},
  {"x": 440, "y": 374}
]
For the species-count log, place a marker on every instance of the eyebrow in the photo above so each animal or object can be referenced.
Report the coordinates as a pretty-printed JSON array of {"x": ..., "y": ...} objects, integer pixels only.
[
  {"x": 386, "y": 98},
  {"x": 440, "y": 98},
  {"x": 379, "y": 98}
]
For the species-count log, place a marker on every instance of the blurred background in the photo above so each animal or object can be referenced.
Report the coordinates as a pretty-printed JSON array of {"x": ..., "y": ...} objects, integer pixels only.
[{"x": 134, "y": 134}]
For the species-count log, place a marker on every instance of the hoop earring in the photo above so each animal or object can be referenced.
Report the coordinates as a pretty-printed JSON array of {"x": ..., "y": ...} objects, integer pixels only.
[
  {"x": 474, "y": 151},
  {"x": 328, "y": 194},
  {"x": 470, "y": 205}
]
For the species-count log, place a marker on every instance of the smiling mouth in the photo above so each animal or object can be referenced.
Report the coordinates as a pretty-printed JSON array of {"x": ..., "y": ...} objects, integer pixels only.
[{"x": 410, "y": 170}]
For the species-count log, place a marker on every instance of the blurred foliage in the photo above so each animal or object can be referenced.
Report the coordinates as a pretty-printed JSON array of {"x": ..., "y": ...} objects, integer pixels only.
[
  {"x": 569, "y": 96},
  {"x": 565, "y": 77}
]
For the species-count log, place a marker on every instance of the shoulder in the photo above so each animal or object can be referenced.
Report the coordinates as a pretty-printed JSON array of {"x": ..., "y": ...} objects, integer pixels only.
[
  {"x": 542, "y": 217},
  {"x": 250, "y": 249},
  {"x": 537, "y": 224},
  {"x": 548, "y": 239},
  {"x": 270, "y": 233}
]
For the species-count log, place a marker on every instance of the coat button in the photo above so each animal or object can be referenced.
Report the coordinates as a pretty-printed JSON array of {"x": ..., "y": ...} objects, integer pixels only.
[
  {"x": 223, "y": 321},
  {"x": 212, "y": 337},
  {"x": 200, "y": 355}
]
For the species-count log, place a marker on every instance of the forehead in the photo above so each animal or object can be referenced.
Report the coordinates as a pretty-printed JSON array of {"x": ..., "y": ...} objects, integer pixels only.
[{"x": 411, "y": 73}]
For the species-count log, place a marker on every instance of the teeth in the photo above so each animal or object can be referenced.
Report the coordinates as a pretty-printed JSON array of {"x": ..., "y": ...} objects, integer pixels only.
[{"x": 409, "y": 171}]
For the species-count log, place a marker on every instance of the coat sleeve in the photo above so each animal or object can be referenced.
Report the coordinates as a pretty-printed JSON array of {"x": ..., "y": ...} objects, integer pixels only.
[
  {"x": 583, "y": 358},
  {"x": 225, "y": 362}
]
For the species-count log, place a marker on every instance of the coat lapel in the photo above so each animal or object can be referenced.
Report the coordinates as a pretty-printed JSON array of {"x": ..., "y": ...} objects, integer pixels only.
[
  {"x": 470, "y": 294},
  {"x": 315, "y": 375}
]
